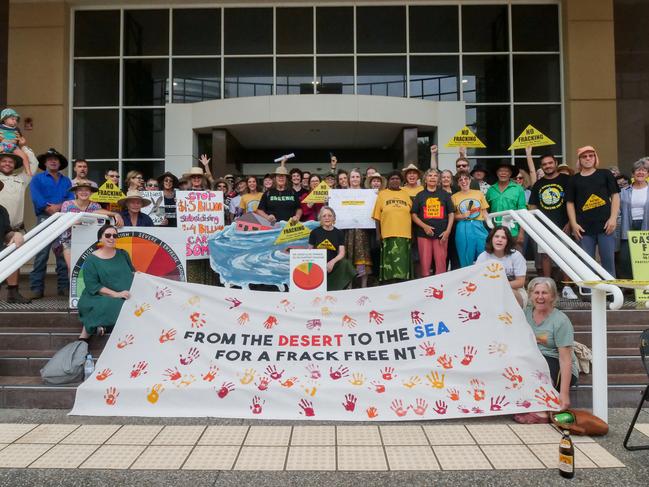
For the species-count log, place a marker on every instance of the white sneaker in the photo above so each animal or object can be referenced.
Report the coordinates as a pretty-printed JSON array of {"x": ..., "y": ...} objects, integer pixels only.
[{"x": 568, "y": 293}]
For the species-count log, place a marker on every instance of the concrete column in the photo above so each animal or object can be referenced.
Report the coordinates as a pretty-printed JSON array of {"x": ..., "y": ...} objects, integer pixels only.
[
  {"x": 225, "y": 149},
  {"x": 409, "y": 136}
]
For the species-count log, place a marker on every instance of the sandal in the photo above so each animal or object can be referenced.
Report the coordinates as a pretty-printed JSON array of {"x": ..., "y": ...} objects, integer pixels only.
[{"x": 531, "y": 418}]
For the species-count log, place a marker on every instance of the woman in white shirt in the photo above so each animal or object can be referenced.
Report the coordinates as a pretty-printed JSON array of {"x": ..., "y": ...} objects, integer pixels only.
[
  {"x": 634, "y": 204},
  {"x": 500, "y": 246}
]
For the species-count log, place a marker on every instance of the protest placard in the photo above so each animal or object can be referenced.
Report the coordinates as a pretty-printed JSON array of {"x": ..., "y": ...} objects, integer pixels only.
[
  {"x": 200, "y": 214},
  {"x": 353, "y": 207},
  {"x": 156, "y": 210},
  {"x": 319, "y": 194},
  {"x": 308, "y": 271},
  {"x": 465, "y": 138},
  {"x": 531, "y": 137},
  {"x": 639, "y": 250}
]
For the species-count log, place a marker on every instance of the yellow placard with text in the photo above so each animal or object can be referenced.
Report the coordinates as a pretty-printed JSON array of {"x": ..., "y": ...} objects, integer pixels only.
[
  {"x": 639, "y": 250},
  {"x": 531, "y": 137},
  {"x": 291, "y": 232},
  {"x": 320, "y": 194},
  {"x": 465, "y": 138},
  {"x": 107, "y": 193}
]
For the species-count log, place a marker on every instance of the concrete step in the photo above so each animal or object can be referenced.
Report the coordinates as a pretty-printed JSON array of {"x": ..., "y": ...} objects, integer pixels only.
[
  {"x": 29, "y": 392},
  {"x": 43, "y": 340}
]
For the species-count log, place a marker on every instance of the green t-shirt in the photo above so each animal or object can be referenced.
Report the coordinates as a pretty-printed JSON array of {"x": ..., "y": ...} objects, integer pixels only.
[
  {"x": 553, "y": 332},
  {"x": 512, "y": 198}
]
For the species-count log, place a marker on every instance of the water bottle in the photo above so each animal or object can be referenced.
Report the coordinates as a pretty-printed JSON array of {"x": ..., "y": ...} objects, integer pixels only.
[{"x": 88, "y": 367}]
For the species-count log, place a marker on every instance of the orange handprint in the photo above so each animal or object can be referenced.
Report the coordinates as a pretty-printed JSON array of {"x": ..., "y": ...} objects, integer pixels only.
[
  {"x": 469, "y": 353},
  {"x": 139, "y": 310},
  {"x": 372, "y": 412},
  {"x": 270, "y": 322},
  {"x": 377, "y": 387},
  {"x": 186, "y": 380},
  {"x": 376, "y": 317},
  {"x": 436, "y": 380},
  {"x": 428, "y": 349},
  {"x": 420, "y": 407},
  {"x": 348, "y": 321},
  {"x": 111, "y": 396},
  {"x": 290, "y": 382},
  {"x": 139, "y": 369},
  {"x": 104, "y": 374},
  {"x": 478, "y": 389},
  {"x": 397, "y": 407},
  {"x": 128, "y": 340},
  {"x": 512, "y": 374},
  {"x": 167, "y": 336},
  {"x": 445, "y": 361},
  {"x": 468, "y": 289},
  {"x": 453, "y": 394},
  {"x": 547, "y": 399},
  {"x": 197, "y": 319},
  {"x": 243, "y": 319},
  {"x": 154, "y": 393},
  {"x": 210, "y": 375}
]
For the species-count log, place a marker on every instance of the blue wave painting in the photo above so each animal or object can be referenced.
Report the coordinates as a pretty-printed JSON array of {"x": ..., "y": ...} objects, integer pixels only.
[{"x": 243, "y": 258}]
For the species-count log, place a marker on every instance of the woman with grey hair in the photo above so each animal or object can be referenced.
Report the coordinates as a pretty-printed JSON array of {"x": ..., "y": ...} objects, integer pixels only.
[
  {"x": 555, "y": 338},
  {"x": 634, "y": 206}
]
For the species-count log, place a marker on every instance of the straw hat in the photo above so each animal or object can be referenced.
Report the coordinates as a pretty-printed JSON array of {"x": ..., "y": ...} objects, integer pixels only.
[
  {"x": 134, "y": 195},
  {"x": 195, "y": 171},
  {"x": 411, "y": 167},
  {"x": 368, "y": 180},
  {"x": 83, "y": 183}
]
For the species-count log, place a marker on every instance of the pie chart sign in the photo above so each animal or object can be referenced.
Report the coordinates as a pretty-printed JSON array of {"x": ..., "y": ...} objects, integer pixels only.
[{"x": 308, "y": 276}]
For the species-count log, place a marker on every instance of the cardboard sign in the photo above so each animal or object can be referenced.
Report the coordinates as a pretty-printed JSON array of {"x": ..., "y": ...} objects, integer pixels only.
[
  {"x": 199, "y": 215},
  {"x": 531, "y": 137},
  {"x": 639, "y": 249},
  {"x": 156, "y": 210},
  {"x": 353, "y": 207},
  {"x": 465, "y": 138},
  {"x": 320, "y": 194},
  {"x": 107, "y": 193},
  {"x": 291, "y": 232},
  {"x": 308, "y": 271}
]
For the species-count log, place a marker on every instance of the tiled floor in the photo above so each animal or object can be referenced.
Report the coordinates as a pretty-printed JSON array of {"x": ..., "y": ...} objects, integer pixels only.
[{"x": 295, "y": 448}]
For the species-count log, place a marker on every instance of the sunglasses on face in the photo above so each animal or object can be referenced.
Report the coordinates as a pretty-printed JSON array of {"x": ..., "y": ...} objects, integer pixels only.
[
  {"x": 151, "y": 185},
  {"x": 110, "y": 235}
]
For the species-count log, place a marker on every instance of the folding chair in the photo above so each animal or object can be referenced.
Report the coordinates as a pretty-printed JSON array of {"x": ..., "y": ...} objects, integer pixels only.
[{"x": 644, "y": 355}]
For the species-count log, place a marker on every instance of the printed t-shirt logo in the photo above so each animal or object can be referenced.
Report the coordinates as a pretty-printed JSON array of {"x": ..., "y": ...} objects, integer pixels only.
[
  {"x": 470, "y": 206},
  {"x": 551, "y": 196},
  {"x": 281, "y": 198},
  {"x": 326, "y": 244},
  {"x": 433, "y": 209},
  {"x": 593, "y": 202},
  {"x": 395, "y": 203},
  {"x": 542, "y": 338}
]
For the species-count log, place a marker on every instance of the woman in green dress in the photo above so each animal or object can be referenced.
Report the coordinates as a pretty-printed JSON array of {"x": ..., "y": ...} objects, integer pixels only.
[{"x": 108, "y": 274}]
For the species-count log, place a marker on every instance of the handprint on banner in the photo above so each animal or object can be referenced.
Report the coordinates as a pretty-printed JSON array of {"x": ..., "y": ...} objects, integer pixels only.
[
  {"x": 348, "y": 321},
  {"x": 192, "y": 354},
  {"x": 263, "y": 383},
  {"x": 167, "y": 335},
  {"x": 257, "y": 405},
  {"x": 498, "y": 403},
  {"x": 139, "y": 369},
  {"x": 468, "y": 289},
  {"x": 316, "y": 302},
  {"x": 371, "y": 412},
  {"x": 270, "y": 322},
  {"x": 139, "y": 310},
  {"x": 542, "y": 376},
  {"x": 357, "y": 379},
  {"x": 463, "y": 409},
  {"x": 314, "y": 372},
  {"x": 376, "y": 317},
  {"x": 469, "y": 353},
  {"x": 362, "y": 301},
  {"x": 314, "y": 324},
  {"x": 330, "y": 299},
  {"x": 111, "y": 396},
  {"x": 197, "y": 319},
  {"x": 234, "y": 302},
  {"x": 412, "y": 382},
  {"x": 512, "y": 374},
  {"x": 499, "y": 349},
  {"x": 394, "y": 297},
  {"x": 172, "y": 374},
  {"x": 397, "y": 407},
  {"x": 478, "y": 391},
  {"x": 192, "y": 302},
  {"x": 350, "y": 402},
  {"x": 436, "y": 380},
  {"x": 104, "y": 374},
  {"x": 310, "y": 391},
  {"x": 307, "y": 408},
  {"x": 428, "y": 348},
  {"x": 153, "y": 394},
  {"x": 325, "y": 311},
  {"x": 162, "y": 292},
  {"x": 248, "y": 376},
  {"x": 453, "y": 394},
  {"x": 493, "y": 270},
  {"x": 290, "y": 382},
  {"x": 273, "y": 373},
  {"x": 547, "y": 399},
  {"x": 465, "y": 315},
  {"x": 523, "y": 404},
  {"x": 476, "y": 410},
  {"x": 210, "y": 375},
  {"x": 506, "y": 318},
  {"x": 440, "y": 407},
  {"x": 388, "y": 373},
  {"x": 243, "y": 319},
  {"x": 445, "y": 361},
  {"x": 286, "y": 305},
  {"x": 377, "y": 387},
  {"x": 186, "y": 381},
  {"x": 419, "y": 407},
  {"x": 433, "y": 292},
  {"x": 123, "y": 343},
  {"x": 416, "y": 317},
  {"x": 226, "y": 388},
  {"x": 339, "y": 373}
]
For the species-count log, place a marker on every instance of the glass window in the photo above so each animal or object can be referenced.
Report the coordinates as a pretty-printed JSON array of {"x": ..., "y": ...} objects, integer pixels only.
[
  {"x": 97, "y": 170},
  {"x": 149, "y": 169},
  {"x": 537, "y": 77},
  {"x": 248, "y": 31},
  {"x": 145, "y": 81},
  {"x": 380, "y": 29},
  {"x": 197, "y": 31},
  {"x": 484, "y": 28},
  {"x": 294, "y": 30},
  {"x": 535, "y": 27},
  {"x": 144, "y": 133},
  {"x": 485, "y": 78},
  {"x": 196, "y": 80},
  {"x": 335, "y": 75},
  {"x": 335, "y": 30},
  {"x": 95, "y": 134},
  {"x": 96, "y": 33},
  {"x": 434, "y": 29},
  {"x": 492, "y": 126},
  {"x": 546, "y": 118},
  {"x": 146, "y": 32},
  {"x": 248, "y": 77},
  {"x": 96, "y": 83},
  {"x": 294, "y": 76},
  {"x": 384, "y": 76},
  {"x": 435, "y": 77}
]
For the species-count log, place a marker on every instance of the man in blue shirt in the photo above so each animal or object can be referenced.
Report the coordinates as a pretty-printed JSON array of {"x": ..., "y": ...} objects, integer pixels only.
[{"x": 49, "y": 190}]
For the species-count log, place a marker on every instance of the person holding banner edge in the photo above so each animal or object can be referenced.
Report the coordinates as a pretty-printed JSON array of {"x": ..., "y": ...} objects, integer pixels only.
[{"x": 358, "y": 240}]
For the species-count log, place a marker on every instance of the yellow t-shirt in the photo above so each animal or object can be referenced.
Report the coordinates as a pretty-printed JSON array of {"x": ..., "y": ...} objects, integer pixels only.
[
  {"x": 472, "y": 202},
  {"x": 250, "y": 202},
  {"x": 413, "y": 191},
  {"x": 392, "y": 210}
]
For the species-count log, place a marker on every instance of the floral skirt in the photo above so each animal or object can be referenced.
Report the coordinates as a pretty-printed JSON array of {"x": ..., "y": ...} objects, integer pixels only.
[{"x": 357, "y": 247}]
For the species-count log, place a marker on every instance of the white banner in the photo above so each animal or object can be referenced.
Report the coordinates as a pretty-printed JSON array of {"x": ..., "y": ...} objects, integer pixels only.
[
  {"x": 448, "y": 346},
  {"x": 199, "y": 214},
  {"x": 353, "y": 207}
]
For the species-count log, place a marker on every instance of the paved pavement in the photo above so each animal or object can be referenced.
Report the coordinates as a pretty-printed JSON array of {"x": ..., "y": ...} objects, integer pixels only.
[{"x": 52, "y": 448}]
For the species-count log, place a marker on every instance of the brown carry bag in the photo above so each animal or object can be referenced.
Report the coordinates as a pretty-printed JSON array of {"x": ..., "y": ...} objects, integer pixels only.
[{"x": 585, "y": 424}]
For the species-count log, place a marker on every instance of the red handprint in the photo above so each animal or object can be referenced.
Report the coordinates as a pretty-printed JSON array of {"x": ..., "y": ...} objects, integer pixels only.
[
  {"x": 307, "y": 407},
  {"x": 523, "y": 404},
  {"x": 478, "y": 389},
  {"x": 512, "y": 374},
  {"x": 415, "y": 317},
  {"x": 273, "y": 373},
  {"x": 172, "y": 374},
  {"x": 104, "y": 374},
  {"x": 468, "y": 289},
  {"x": 433, "y": 292},
  {"x": 330, "y": 299},
  {"x": 362, "y": 300},
  {"x": 440, "y": 407},
  {"x": 162, "y": 292},
  {"x": 234, "y": 302},
  {"x": 466, "y": 315},
  {"x": 270, "y": 322},
  {"x": 445, "y": 361},
  {"x": 128, "y": 340},
  {"x": 463, "y": 409},
  {"x": 453, "y": 394},
  {"x": 420, "y": 407},
  {"x": 372, "y": 412},
  {"x": 376, "y": 317},
  {"x": 339, "y": 373},
  {"x": 378, "y": 387},
  {"x": 256, "y": 405},
  {"x": 197, "y": 319},
  {"x": 314, "y": 324},
  {"x": 348, "y": 321},
  {"x": 111, "y": 396},
  {"x": 314, "y": 371},
  {"x": 469, "y": 353},
  {"x": 477, "y": 410},
  {"x": 167, "y": 336},
  {"x": 263, "y": 383},
  {"x": 210, "y": 375},
  {"x": 498, "y": 403},
  {"x": 350, "y": 402},
  {"x": 192, "y": 354},
  {"x": 139, "y": 369},
  {"x": 547, "y": 399},
  {"x": 397, "y": 407},
  {"x": 226, "y": 388},
  {"x": 286, "y": 305},
  {"x": 428, "y": 349},
  {"x": 243, "y": 319},
  {"x": 388, "y": 373}
]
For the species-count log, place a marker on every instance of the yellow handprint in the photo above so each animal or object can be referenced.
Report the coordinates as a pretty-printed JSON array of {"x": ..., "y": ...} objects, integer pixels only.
[
  {"x": 154, "y": 393},
  {"x": 505, "y": 318},
  {"x": 394, "y": 297},
  {"x": 325, "y": 311},
  {"x": 413, "y": 381},
  {"x": 357, "y": 379},
  {"x": 493, "y": 271},
  {"x": 248, "y": 376},
  {"x": 310, "y": 390},
  {"x": 191, "y": 302},
  {"x": 141, "y": 309},
  {"x": 436, "y": 380}
]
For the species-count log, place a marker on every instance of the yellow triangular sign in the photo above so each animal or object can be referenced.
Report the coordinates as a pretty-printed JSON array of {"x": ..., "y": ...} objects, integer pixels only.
[
  {"x": 291, "y": 232},
  {"x": 107, "y": 193},
  {"x": 319, "y": 194},
  {"x": 531, "y": 137},
  {"x": 465, "y": 138},
  {"x": 593, "y": 202}
]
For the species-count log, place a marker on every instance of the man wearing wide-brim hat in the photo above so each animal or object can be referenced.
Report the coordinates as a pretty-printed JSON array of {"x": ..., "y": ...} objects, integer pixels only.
[
  {"x": 507, "y": 195},
  {"x": 280, "y": 203},
  {"x": 131, "y": 212},
  {"x": 382, "y": 182},
  {"x": 479, "y": 174},
  {"x": 412, "y": 175}
]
